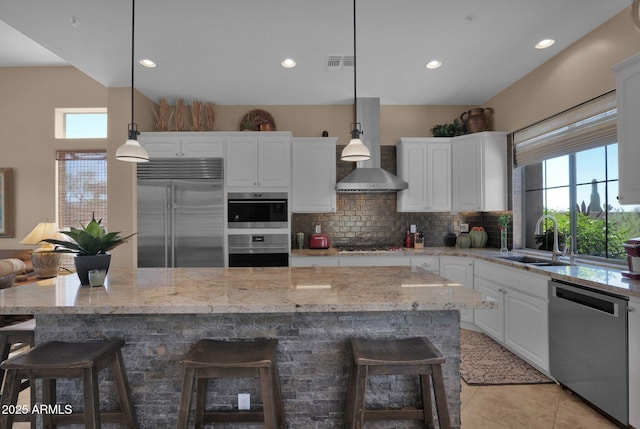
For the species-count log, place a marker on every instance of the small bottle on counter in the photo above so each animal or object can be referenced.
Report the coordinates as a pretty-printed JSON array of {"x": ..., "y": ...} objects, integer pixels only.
[{"x": 407, "y": 241}]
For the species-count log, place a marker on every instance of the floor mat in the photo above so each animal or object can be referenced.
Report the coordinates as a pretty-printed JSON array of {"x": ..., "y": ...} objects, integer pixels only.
[{"x": 485, "y": 362}]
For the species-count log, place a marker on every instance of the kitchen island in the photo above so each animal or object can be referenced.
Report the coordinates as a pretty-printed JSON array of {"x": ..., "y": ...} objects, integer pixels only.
[{"x": 161, "y": 313}]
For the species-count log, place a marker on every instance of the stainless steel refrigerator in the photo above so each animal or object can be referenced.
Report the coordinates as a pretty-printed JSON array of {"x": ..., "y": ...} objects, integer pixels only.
[{"x": 180, "y": 213}]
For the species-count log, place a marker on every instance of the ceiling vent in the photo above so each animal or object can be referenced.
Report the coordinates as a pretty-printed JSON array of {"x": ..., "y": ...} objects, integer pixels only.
[{"x": 338, "y": 63}]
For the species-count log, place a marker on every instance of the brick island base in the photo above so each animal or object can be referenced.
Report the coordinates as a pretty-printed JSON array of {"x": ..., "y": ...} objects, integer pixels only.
[{"x": 313, "y": 360}]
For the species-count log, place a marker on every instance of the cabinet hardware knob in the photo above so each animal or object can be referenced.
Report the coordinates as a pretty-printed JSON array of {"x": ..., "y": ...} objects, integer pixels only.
[{"x": 630, "y": 309}]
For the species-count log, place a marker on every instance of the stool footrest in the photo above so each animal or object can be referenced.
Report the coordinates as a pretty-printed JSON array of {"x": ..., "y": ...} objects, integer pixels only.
[
  {"x": 394, "y": 414},
  {"x": 234, "y": 416},
  {"x": 78, "y": 418}
]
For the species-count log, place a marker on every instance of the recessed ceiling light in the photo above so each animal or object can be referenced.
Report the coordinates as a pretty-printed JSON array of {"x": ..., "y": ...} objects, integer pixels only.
[
  {"x": 545, "y": 43},
  {"x": 147, "y": 63},
  {"x": 288, "y": 63},
  {"x": 433, "y": 64}
]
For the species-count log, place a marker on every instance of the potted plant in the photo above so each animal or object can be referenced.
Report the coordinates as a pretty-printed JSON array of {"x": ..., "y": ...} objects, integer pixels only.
[{"x": 90, "y": 245}]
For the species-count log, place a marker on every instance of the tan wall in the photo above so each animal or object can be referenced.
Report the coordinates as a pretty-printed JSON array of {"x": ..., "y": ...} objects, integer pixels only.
[
  {"x": 310, "y": 121},
  {"x": 27, "y": 143},
  {"x": 577, "y": 74}
]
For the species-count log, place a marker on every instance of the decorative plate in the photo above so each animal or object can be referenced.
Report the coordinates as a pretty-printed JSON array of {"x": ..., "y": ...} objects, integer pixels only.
[{"x": 252, "y": 120}]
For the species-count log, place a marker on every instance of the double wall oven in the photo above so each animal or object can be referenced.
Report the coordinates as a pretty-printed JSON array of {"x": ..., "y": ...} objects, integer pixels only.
[{"x": 258, "y": 229}]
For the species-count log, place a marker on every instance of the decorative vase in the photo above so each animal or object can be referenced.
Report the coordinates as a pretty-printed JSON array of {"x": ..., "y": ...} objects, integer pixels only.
[
  {"x": 463, "y": 241},
  {"x": 92, "y": 262},
  {"x": 478, "y": 238},
  {"x": 503, "y": 241}
]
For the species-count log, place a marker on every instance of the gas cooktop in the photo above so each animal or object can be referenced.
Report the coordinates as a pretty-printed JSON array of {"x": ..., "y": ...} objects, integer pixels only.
[{"x": 367, "y": 248}]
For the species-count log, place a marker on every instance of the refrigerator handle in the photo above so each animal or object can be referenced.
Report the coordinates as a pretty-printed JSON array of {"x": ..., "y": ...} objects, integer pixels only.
[
  {"x": 172, "y": 225},
  {"x": 167, "y": 214}
]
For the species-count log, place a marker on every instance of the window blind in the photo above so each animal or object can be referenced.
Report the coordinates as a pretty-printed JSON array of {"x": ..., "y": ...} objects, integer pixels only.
[
  {"x": 589, "y": 125},
  {"x": 81, "y": 186}
]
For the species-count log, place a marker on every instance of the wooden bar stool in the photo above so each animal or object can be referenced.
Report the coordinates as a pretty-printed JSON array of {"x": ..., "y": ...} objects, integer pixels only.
[
  {"x": 56, "y": 359},
  {"x": 10, "y": 335},
  {"x": 410, "y": 356},
  {"x": 232, "y": 359}
]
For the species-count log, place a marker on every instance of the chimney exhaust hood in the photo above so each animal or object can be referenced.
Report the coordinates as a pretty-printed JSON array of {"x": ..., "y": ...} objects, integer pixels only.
[{"x": 369, "y": 177}]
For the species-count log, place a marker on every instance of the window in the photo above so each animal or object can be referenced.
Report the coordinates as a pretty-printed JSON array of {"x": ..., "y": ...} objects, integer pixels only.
[
  {"x": 81, "y": 187},
  {"x": 571, "y": 173},
  {"x": 81, "y": 123}
]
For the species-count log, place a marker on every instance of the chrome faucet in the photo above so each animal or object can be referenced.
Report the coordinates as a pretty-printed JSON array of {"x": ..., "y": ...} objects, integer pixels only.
[{"x": 556, "y": 250}]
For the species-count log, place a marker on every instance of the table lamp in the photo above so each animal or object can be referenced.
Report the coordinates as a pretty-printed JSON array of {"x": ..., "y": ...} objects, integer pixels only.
[{"x": 45, "y": 262}]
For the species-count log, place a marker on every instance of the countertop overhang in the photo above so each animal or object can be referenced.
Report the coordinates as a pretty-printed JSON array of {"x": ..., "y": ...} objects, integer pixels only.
[{"x": 244, "y": 290}]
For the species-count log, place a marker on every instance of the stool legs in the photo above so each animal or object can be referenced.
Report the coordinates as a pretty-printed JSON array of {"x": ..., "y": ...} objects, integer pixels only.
[{"x": 441, "y": 397}]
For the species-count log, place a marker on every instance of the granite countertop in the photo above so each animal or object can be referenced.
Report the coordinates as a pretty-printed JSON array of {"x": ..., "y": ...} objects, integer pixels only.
[
  {"x": 605, "y": 278},
  {"x": 244, "y": 290}
]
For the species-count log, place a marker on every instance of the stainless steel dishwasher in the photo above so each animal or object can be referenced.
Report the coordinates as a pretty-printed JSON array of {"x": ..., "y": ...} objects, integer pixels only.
[{"x": 588, "y": 349}]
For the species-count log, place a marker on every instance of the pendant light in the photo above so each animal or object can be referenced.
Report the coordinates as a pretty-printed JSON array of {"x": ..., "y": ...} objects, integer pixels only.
[
  {"x": 355, "y": 150},
  {"x": 131, "y": 151}
]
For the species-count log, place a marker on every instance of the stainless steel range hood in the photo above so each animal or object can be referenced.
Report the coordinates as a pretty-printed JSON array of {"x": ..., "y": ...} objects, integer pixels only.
[{"x": 368, "y": 176}]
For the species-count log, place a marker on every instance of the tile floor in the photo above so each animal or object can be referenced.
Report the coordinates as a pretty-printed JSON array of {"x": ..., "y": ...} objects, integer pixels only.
[
  {"x": 540, "y": 406},
  {"x": 536, "y": 406}
]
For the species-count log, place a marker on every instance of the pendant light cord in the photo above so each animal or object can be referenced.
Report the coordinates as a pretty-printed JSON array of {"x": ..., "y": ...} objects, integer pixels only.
[
  {"x": 355, "y": 91},
  {"x": 133, "y": 33}
]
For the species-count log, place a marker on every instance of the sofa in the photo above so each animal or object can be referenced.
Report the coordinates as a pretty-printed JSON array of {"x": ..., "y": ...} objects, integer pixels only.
[{"x": 14, "y": 263}]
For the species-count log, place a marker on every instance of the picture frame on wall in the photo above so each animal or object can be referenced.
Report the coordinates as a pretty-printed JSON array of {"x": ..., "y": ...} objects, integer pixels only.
[{"x": 6, "y": 203}]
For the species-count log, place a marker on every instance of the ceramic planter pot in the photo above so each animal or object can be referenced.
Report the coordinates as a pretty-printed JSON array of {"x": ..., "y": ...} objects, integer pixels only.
[
  {"x": 93, "y": 262},
  {"x": 463, "y": 242},
  {"x": 478, "y": 238}
]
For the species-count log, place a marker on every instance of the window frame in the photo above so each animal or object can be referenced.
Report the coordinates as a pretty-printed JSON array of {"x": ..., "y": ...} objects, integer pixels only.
[{"x": 60, "y": 124}]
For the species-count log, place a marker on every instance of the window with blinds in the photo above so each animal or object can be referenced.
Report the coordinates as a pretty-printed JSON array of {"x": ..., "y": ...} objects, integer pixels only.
[
  {"x": 81, "y": 186},
  {"x": 569, "y": 166}
]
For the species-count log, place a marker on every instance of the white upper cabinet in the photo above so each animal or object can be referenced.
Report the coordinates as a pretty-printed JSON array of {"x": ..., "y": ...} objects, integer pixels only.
[
  {"x": 628, "y": 102},
  {"x": 258, "y": 160},
  {"x": 425, "y": 164},
  {"x": 183, "y": 144},
  {"x": 479, "y": 168},
  {"x": 314, "y": 175}
]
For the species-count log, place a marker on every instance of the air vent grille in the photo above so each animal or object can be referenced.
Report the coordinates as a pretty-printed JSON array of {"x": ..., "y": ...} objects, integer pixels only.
[
  {"x": 184, "y": 168},
  {"x": 338, "y": 62}
]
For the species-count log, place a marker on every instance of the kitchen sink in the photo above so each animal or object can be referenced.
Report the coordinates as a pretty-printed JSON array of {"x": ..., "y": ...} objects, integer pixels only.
[{"x": 532, "y": 260}]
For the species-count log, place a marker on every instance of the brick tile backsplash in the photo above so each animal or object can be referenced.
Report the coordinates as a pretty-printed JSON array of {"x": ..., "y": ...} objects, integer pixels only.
[{"x": 362, "y": 218}]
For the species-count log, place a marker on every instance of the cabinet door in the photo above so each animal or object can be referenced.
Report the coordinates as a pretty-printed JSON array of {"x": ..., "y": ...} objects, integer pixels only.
[
  {"x": 274, "y": 161},
  {"x": 628, "y": 102},
  {"x": 459, "y": 270},
  {"x": 438, "y": 169},
  {"x": 467, "y": 173},
  {"x": 430, "y": 263},
  {"x": 374, "y": 261},
  {"x": 490, "y": 321},
  {"x": 160, "y": 146},
  {"x": 202, "y": 146},
  {"x": 314, "y": 175},
  {"x": 241, "y": 161},
  {"x": 526, "y": 327},
  {"x": 412, "y": 159}
]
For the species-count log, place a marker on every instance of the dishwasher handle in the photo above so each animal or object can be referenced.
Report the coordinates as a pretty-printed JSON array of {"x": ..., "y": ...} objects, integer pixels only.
[{"x": 586, "y": 298}]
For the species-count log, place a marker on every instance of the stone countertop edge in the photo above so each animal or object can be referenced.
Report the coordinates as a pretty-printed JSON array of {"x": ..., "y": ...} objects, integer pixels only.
[
  {"x": 245, "y": 291},
  {"x": 608, "y": 279}
]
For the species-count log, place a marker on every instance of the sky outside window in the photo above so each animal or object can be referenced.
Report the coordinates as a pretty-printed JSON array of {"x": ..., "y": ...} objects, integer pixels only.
[{"x": 86, "y": 125}]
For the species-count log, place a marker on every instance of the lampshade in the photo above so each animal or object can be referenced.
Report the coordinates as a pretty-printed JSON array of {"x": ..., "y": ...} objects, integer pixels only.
[
  {"x": 355, "y": 151},
  {"x": 40, "y": 232},
  {"x": 131, "y": 151},
  {"x": 45, "y": 262}
]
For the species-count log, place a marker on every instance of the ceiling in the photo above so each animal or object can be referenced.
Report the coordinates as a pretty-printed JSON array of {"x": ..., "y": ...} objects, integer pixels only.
[{"x": 229, "y": 52}]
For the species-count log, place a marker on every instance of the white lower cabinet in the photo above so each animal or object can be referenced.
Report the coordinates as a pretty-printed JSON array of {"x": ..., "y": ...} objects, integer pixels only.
[
  {"x": 634, "y": 362},
  {"x": 521, "y": 321},
  {"x": 460, "y": 270},
  {"x": 429, "y": 263},
  {"x": 313, "y": 261},
  {"x": 374, "y": 261}
]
